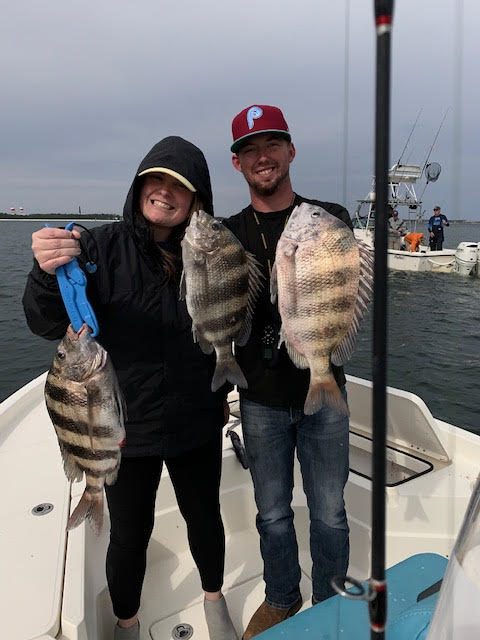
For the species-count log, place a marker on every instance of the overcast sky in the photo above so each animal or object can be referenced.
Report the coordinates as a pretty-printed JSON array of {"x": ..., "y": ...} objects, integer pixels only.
[{"x": 88, "y": 87}]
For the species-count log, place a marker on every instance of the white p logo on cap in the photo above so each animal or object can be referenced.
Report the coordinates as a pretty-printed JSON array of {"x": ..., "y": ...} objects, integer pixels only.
[{"x": 253, "y": 114}]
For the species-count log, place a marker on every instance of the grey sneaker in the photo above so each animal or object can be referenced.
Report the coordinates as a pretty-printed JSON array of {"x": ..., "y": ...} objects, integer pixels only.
[
  {"x": 220, "y": 626},
  {"x": 130, "y": 633}
]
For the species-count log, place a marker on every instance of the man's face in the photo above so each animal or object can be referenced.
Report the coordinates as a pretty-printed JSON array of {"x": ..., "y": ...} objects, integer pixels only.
[
  {"x": 436, "y": 212},
  {"x": 265, "y": 162}
]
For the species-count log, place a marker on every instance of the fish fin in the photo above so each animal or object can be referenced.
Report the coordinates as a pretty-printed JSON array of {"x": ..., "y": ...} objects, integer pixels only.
[
  {"x": 298, "y": 359},
  {"x": 324, "y": 393},
  {"x": 204, "y": 345},
  {"x": 72, "y": 470},
  {"x": 243, "y": 335},
  {"x": 111, "y": 478},
  {"x": 121, "y": 406},
  {"x": 255, "y": 284},
  {"x": 366, "y": 272},
  {"x": 183, "y": 286},
  {"x": 343, "y": 351},
  {"x": 89, "y": 508},
  {"x": 227, "y": 370},
  {"x": 273, "y": 284}
]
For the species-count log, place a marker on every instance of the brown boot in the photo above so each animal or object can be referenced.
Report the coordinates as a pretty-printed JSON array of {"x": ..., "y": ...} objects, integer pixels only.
[{"x": 267, "y": 616}]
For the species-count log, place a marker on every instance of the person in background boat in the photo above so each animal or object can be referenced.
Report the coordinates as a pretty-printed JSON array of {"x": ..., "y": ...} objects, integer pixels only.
[
  {"x": 396, "y": 228},
  {"x": 273, "y": 422},
  {"x": 173, "y": 418},
  {"x": 435, "y": 229},
  {"x": 413, "y": 241}
]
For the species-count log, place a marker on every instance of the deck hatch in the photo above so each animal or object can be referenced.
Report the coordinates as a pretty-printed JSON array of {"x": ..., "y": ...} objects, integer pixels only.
[{"x": 400, "y": 466}]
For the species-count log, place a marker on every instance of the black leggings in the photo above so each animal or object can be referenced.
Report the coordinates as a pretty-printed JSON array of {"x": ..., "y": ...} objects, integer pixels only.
[{"x": 195, "y": 476}]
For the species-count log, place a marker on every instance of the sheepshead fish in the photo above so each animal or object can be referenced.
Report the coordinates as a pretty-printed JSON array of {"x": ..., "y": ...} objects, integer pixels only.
[
  {"x": 220, "y": 283},
  {"x": 323, "y": 279},
  {"x": 86, "y": 408}
]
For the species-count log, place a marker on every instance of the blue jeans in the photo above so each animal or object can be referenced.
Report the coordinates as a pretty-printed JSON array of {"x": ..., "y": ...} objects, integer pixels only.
[{"x": 271, "y": 435}]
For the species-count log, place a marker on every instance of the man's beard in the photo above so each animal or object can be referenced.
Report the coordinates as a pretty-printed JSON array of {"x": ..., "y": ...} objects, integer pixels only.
[{"x": 267, "y": 190}]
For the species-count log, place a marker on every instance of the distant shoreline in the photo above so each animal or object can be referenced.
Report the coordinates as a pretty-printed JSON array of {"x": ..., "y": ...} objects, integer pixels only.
[
  {"x": 99, "y": 217},
  {"x": 60, "y": 216}
]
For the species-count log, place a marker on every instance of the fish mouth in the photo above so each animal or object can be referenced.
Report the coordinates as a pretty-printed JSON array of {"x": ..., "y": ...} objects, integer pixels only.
[
  {"x": 75, "y": 335},
  {"x": 198, "y": 233},
  {"x": 83, "y": 329},
  {"x": 82, "y": 334}
]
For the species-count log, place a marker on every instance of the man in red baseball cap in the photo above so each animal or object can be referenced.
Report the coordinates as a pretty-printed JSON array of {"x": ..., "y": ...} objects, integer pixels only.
[
  {"x": 273, "y": 422},
  {"x": 259, "y": 118}
]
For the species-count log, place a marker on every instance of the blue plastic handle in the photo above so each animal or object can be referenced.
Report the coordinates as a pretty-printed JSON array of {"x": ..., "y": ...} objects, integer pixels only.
[{"x": 72, "y": 282}]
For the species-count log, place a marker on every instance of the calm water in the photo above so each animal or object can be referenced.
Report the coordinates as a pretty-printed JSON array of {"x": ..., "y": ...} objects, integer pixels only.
[{"x": 434, "y": 330}]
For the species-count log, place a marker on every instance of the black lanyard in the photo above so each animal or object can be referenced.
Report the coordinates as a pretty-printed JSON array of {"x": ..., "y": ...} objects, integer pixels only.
[{"x": 267, "y": 249}]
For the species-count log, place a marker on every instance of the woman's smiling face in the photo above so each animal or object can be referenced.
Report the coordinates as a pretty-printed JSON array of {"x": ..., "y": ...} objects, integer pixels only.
[{"x": 164, "y": 202}]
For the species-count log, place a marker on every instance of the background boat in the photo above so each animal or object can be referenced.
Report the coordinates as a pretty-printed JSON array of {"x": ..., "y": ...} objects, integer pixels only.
[{"x": 402, "y": 178}]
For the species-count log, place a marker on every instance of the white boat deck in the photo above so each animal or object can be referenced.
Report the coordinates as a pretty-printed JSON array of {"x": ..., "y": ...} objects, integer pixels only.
[
  {"x": 32, "y": 548},
  {"x": 62, "y": 577}
]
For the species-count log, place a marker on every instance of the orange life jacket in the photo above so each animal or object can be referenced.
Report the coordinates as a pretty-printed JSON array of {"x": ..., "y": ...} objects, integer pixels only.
[{"x": 413, "y": 240}]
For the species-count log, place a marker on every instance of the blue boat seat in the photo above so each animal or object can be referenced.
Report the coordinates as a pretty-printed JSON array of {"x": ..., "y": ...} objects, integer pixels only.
[{"x": 340, "y": 619}]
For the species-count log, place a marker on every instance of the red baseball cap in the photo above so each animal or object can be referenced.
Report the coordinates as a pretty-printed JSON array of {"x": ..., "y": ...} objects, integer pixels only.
[{"x": 258, "y": 118}]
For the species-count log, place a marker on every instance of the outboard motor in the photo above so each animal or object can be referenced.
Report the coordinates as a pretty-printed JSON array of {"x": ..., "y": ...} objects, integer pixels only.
[{"x": 466, "y": 258}]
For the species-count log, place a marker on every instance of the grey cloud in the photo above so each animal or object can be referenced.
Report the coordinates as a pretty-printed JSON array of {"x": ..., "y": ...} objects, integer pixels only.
[{"x": 92, "y": 86}]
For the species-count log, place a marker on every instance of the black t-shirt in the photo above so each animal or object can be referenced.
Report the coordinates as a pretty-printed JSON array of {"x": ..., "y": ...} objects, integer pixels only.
[{"x": 272, "y": 377}]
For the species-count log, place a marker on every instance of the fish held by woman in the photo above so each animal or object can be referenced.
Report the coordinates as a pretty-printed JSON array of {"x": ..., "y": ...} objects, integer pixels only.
[
  {"x": 323, "y": 278},
  {"x": 86, "y": 408},
  {"x": 220, "y": 283}
]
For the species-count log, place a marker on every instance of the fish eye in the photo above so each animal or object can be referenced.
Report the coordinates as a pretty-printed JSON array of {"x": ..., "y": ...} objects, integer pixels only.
[
  {"x": 61, "y": 355},
  {"x": 315, "y": 214},
  {"x": 216, "y": 226}
]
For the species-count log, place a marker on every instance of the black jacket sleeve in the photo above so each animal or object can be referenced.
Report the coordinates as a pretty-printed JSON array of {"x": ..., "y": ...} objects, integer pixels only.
[{"x": 43, "y": 305}]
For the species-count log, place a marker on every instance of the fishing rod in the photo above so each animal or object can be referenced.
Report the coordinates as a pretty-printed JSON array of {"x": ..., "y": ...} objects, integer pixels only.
[
  {"x": 434, "y": 140},
  {"x": 377, "y": 583},
  {"x": 432, "y": 170},
  {"x": 376, "y": 592},
  {"x": 408, "y": 139}
]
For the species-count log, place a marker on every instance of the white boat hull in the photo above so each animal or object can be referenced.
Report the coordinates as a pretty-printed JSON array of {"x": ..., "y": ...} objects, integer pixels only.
[
  {"x": 62, "y": 577},
  {"x": 462, "y": 260},
  {"x": 436, "y": 261}
]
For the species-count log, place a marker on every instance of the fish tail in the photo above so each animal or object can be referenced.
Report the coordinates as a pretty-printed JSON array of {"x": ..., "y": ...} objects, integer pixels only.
[
  {"x": 89, "y": 508},
  {"x": 324, "y": 393},
  {"x": 228, "y": 371}
]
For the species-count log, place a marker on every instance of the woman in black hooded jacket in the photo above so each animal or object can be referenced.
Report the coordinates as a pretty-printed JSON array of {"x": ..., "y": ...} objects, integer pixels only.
[{"x": 172, "y": 415}]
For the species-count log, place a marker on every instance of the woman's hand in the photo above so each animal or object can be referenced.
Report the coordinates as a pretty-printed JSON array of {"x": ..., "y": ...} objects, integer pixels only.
[{"x": 54, "y": 247}]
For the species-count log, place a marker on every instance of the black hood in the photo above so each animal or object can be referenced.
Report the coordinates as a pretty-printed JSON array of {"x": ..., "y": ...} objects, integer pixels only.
[{"x": 180, "y": 156}]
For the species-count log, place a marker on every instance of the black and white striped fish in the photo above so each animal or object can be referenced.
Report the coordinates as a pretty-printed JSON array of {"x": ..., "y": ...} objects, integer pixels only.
[
  {"x": 220, "y": 283},
  {"x": 323, "y": 278},
  {"x": 86, "y": 408}
]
